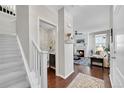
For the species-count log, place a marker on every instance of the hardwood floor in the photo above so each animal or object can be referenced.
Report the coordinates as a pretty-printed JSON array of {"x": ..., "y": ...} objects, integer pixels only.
[{"x": 58, "y": 82}]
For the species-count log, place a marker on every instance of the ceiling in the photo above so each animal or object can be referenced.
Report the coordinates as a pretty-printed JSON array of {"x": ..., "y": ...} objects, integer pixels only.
[{"x": 88, "y": 18}]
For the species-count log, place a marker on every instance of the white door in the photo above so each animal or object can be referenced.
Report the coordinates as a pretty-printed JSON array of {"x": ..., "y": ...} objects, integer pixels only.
[{"x": 118, "y": 49}]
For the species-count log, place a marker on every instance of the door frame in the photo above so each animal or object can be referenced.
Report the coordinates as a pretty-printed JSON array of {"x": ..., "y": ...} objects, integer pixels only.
[
  {"x": 56, "y": 40},
  {"x": 115, "y": 74}
]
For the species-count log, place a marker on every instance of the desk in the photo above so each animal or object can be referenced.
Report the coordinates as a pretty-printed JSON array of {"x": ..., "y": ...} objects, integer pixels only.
[
  {"x": 52, "y": 60},
  {"x": 98, "y": 60}
]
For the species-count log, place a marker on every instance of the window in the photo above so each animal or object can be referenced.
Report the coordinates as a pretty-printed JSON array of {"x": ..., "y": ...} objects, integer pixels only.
[{"x": 100, "y": 42}]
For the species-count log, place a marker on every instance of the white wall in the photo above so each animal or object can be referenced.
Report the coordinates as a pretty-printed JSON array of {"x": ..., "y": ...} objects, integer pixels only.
[
  {"x": 47, "y": 35},
  {"x": 22, "y": 27},
  {"x": 68, "y": 54},
  {"x": 61, "y": 42},
  {"x": 91, "y": 42},
  {"x": 43, "y": 39},
  {"x": 52, "y": 36},
  {"x": 45, "y": 14},
  {"x": 7, "y": 24},
  {"x": 65, "y": 50}
]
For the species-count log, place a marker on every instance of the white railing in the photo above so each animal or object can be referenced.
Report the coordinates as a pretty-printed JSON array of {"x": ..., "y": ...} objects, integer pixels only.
[
  {"x": 39, "y": 66},
  {"x": 8, "y": 9}
]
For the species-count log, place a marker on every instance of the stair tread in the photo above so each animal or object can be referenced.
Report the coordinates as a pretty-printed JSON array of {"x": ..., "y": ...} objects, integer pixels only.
[
  {"x": 12, "y": 82},
  {"x": 7, "y": 36},
  {"x": 12, "y": 71},
  {"x": 10, "y": 65},
  {"x": 11, "y": 59},
  {"x": 11, "y": 76},
  {"x": 8, "y": 47},
  {"x": 7, "y": 51},
  {"x": 21, "y": 84},
  {"x": 9, "y": 55}
]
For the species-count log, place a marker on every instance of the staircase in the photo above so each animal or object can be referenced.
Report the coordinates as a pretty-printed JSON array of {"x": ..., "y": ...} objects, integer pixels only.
[{"x": 12, "y": 70}]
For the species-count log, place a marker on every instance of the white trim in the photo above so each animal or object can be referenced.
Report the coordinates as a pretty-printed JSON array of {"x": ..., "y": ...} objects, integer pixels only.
[
  {"x": 38, "y": 19},
  {"x": 98, "y": 31},
  {"x": 25, "y": 62},
  {"x": 111, "y": 81},
  {"x": 120, "y": 77},
  {"x": 65, "y": 77},
  {"x": 56, "y": 42},
  {"x": 38, "y": 31},
  {"x": 36, "y": 45},
  {"x": 56, "y": 46},
  {"x": 119, "y": 74},
  {"x": 49, "y": 22},
  {"x": 68, "y": 74}
]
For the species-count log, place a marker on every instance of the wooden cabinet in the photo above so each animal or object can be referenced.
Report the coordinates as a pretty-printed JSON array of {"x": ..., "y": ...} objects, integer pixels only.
[{"x": 52, "y": 60}]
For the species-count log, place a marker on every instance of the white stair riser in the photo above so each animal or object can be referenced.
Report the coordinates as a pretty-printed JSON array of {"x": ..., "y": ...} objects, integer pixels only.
[
  {"x": 2, "y": 38},
  {"x": 8, "y": 43},
  {"x": 8, "y": 39},
  {"x": 9, "y": 70},
  {"x": 21, "y": 85},
  {"x": 9, "y": 52},
  {"x": 8, "y": 48},
  {"x": 10, "y": 65},
  {"x": 9, "y": 55},
  {"x": 13, "y": 82},
  {"x": 6, "y": 61},
  {"x": 5, "y": 49},
  {"x": 10, "y": 59},
  {"x": 12, "y": 76}
]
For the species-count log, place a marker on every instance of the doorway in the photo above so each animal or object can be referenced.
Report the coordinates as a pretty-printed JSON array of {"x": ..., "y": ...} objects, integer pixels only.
[{"x": 47, "y": 39}]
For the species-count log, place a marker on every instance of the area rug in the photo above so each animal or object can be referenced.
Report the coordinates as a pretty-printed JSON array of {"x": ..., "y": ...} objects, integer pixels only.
[
  {"x": 83, "y": 61},
  {"x": 86, "y": 81}
]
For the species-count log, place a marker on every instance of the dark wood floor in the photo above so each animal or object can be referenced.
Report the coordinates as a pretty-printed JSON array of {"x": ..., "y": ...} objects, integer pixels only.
[{"x": 58, "y": 82}]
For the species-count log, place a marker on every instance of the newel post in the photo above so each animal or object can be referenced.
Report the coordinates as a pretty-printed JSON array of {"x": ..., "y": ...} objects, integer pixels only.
[{"x": 44, "y": 83}]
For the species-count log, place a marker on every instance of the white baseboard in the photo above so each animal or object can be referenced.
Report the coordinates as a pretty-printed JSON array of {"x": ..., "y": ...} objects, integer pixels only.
[
  {"x": 111, "y": 80},
  {"x": 25, "y": 62},
  {"x": 65, "y": 77}
]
